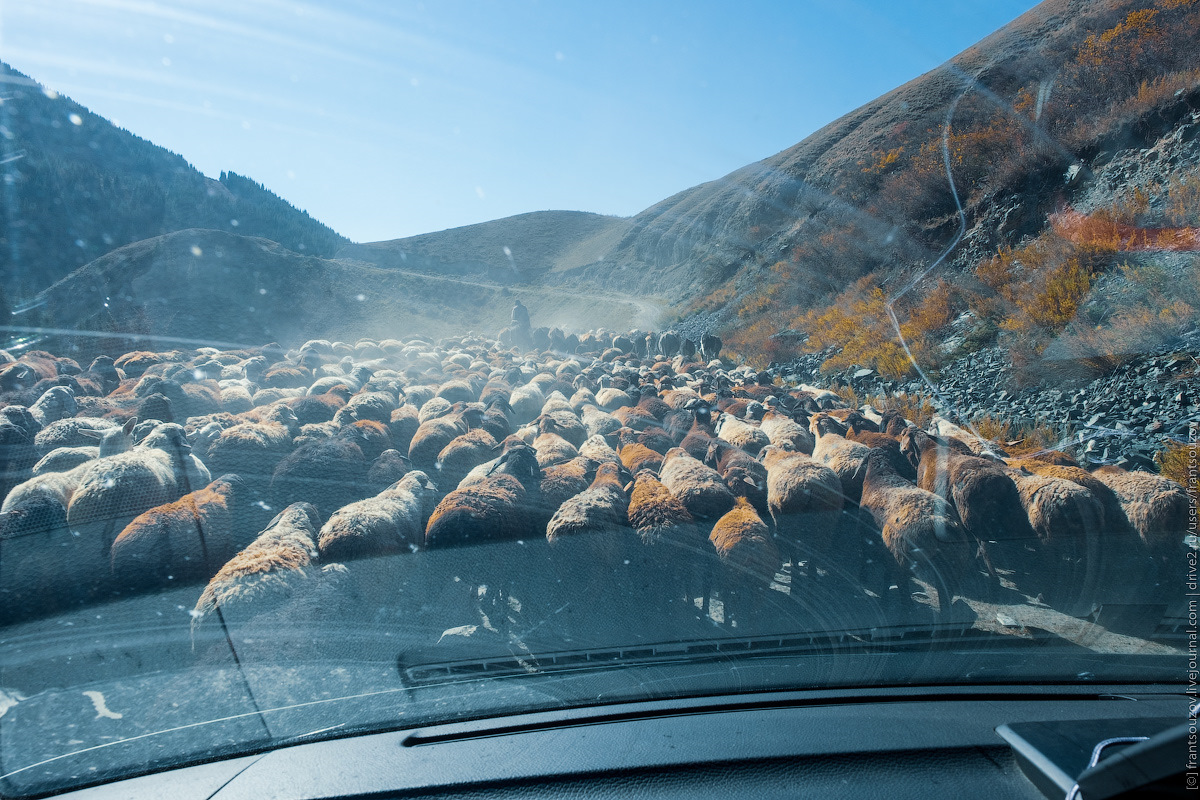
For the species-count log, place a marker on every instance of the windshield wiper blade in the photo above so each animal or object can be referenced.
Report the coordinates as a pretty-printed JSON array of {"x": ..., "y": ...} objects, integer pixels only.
[{"x": 885, "y": 639}]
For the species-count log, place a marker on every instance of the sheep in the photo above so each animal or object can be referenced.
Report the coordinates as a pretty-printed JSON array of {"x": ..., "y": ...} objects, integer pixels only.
[
  {"x": 846, "y": 458},
  {"x": 744, "y": 476},
  {"x": 187, "y": 540},
  {"x": 985, "y": 498},
  {"x": 526, "y": 402},
  {"x": 749, "y": 561},
  {"x": 280, "y": 560},
  {"x": 497, "y": 418},
  {"x": 1156, "y": 507},
  {"x": 741, "y": 434},
  {"x": 253, "y": 449},
  {"x": 804, "y": 500},
  {"x": 463, "y": 454},
  {"x": 610, "y": 399},
  {"x": 597, "y": 422},
  {"x": 599, "y": 510},
  {"x": 54, "y": 487},
  {"x": 36, "y": 550},
  {"x": 56, "y": 403},
  {"x": 860, "y": 429},
  {"x": 1065, "y": 558},
  {"x": 678, "y": 543},
  {"x": 940, "y": 426},
  {"x": 698, "y": 487},
  {"x": 115, "y": 489},
  {"x": 18, "y": 448},
  {"x": 701, "y": 434},
  {"x": 782, "y": 429},
  {"x": 597, "y": 450},
  {"x": 236, "y": 399},
  {"x": 64, "y": 459},
  {"x": 377, "y": 406},
  {"x": 553, "y": 449},
  {"x": 433, "y": 435},
  {"x": 486, "y": 511},
  {"x": 920, "y": 529},
  {"x": 70, "y": 433},
  {"x": 391, "y": 522},
  {"x": 636, "y": 457},
  {"x": 323, "y": 406},
  {"x": 565, "y": 424},
  {"x": 403, "y": 425}
]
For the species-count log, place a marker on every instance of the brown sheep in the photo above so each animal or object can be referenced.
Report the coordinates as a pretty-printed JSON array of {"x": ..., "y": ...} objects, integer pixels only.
[
  {"x": 748, "y": 559},
  {"x": 391, "y": 522},
  {"x": 1156, "y": 507},
  {"x": 698, "y": 487},
  {"x": 1064, "y": 561},
  {"x": 920, "y": 529},
  {"x": 985, "y": 497},
  {"x": 187, "y": 540},
  {"x": 804, "y": 499},
  {"x": 846, "y": 458},
  {"x": 743, "y": 474},
  {"x": 463, "y": 454},
  {"x": 601, "y": 509},
  {"x": 268, "y": 572},
  {"x": 637, "y": 456},
  {"x": 434, "y": 434}
]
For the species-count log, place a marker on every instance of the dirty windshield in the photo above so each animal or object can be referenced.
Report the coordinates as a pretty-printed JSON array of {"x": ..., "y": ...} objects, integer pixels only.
[{"x": 367, "y": 366}]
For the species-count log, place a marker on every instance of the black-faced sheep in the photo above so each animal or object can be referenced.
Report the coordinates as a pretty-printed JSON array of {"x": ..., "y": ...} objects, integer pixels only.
[{"x": 745, "y": 476}]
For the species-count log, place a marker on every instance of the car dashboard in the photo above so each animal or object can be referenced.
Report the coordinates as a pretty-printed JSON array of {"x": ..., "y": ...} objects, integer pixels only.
[{"x": 921, "y": 742}]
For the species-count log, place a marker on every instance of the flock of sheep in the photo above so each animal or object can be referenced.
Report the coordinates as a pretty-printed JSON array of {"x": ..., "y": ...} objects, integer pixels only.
[{"x": 607, "y": 466}]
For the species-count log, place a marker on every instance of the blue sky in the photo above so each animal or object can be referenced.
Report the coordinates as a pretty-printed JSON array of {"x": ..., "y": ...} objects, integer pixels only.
[{"x": 388, "y": 119}]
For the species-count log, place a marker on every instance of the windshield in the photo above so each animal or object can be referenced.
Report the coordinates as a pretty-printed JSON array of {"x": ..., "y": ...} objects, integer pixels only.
[{"x": 373, "y": 365}]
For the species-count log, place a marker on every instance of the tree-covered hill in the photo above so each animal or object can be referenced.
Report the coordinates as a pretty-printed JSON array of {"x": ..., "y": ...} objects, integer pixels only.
[{"x": 75, "y": 187}]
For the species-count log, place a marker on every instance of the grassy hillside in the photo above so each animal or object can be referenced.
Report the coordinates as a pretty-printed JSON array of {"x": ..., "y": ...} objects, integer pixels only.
[
  {"x": 79, "y": 187},
  {"x": 523, "y": 248},
  {"x": 827, "y": 236}
]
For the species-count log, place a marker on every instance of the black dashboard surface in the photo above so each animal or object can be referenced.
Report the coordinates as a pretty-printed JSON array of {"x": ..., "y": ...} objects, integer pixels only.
[{"x": 915, "y": 742}]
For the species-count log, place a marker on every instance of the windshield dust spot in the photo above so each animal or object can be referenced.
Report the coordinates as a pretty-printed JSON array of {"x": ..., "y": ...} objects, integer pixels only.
[
  {"x": 102, "y": 710},
  {"x": 8, "y": 699}
]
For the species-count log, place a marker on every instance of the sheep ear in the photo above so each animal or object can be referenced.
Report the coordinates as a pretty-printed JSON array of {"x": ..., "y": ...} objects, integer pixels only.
[{"x": 127, "y": 428}]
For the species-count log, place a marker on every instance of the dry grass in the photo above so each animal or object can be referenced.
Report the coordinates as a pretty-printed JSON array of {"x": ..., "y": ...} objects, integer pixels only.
[
  {"x": 1021, "y": 438},
  {"x": 1181, "y": 463}
]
